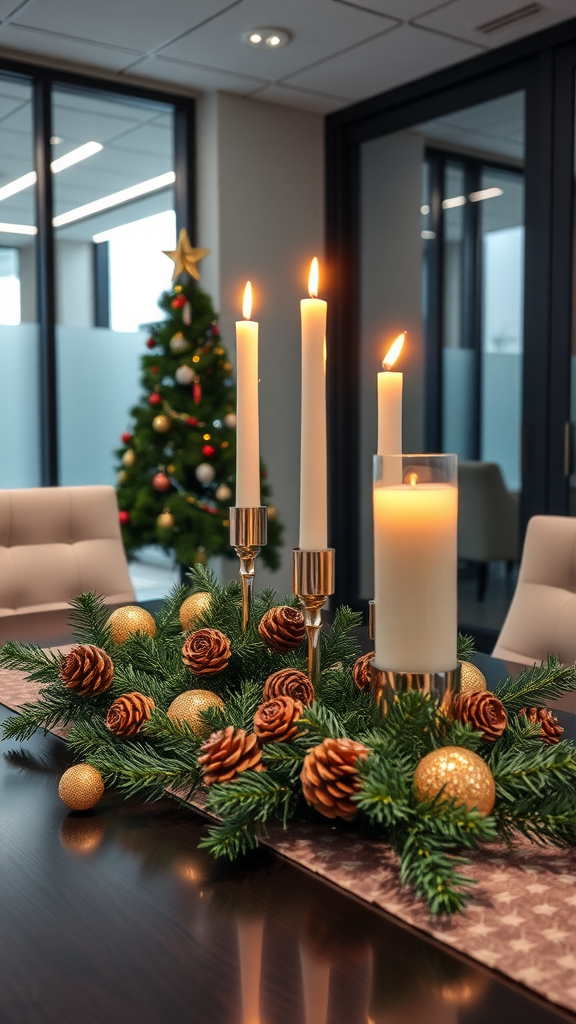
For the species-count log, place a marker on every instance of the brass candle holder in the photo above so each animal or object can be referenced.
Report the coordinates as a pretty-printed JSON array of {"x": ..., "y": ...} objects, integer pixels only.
[
  {"x": 440, "y": 686},
  {"x": 248, "y": 533},
  {"x": 313, "y": 582},
  {"x": 371, "y": 618}
]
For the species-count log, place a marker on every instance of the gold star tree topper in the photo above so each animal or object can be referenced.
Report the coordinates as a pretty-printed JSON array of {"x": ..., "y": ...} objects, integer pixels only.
[{"x": 185, "y": 257}]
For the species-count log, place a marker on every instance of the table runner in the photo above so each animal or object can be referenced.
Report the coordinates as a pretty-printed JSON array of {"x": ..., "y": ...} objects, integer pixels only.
[{"x": 520, "y": 922}]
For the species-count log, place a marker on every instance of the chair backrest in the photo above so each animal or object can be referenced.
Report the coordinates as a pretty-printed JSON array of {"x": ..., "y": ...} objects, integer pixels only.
[
  {"x": 542, "y": 616},
  {"x": 487, "y": 514},
  {"x": 57, "y": 542}
]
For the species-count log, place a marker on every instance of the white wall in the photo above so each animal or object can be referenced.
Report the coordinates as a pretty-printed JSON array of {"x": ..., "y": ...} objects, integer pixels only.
[
  {"x": 74, "y": 283},
  {"x": 260, "y": 204}
]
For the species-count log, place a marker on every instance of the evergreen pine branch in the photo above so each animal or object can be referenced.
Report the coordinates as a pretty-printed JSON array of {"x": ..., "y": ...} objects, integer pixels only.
[
  {"x": 87, "y": 619},
  {"x": 169, "y": 733},
  {"x": 253, "y": 798},
  {"x": 386, "y": 794},
  {"x": 459, "y": 734},
  {"x": 318, "y": 722},
  {"x": 537, "y": 685},
  {"x": 285, "y": 757},
  {"x": 42, "y": 666},
  {"x": 168, "y": 626},
  {"x": 233, "y": 838},
  {"x": 534, "y": 771},
  {"x": 138, "y": 767},
  {"x": 465, "y": 647},
  {"x": 56, "y": 706},
  {"x": 428, "y": 866},
  {"x": 338, "y": 644}
]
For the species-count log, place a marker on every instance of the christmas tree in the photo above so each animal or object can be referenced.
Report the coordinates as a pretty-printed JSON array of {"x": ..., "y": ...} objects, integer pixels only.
[{"x": 176, "y": 481}]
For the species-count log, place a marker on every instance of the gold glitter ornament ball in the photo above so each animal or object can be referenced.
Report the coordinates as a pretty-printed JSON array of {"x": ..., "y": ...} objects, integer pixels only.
[
  {"x": 188, "y": 707},
  {"x": 165, "y": 520},
  {"x": 471, "y": 678},
  {"x": 80, "y": 787},
  {"x": 466, "y": 778},
  {"x": 129, "y": 458},
  {"x": 193, "y": 608},
  {"x": 161, "y": 424},
  {"x": 128, "y": 620}
]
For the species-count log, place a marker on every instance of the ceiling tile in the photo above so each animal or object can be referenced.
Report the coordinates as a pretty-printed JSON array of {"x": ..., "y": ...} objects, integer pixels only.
[
  {"x": 318, "y": 29},
  {"x": 403, "y": 9},
  {"x": 7, "y": 6},
  {"x": 143, "y": 25},
  {"x": 390, "y": 60},
  {"x": 462, "y": 18},
  {"x": 196, "y": 76},
  {"x": 65, "y": 48},
  {"x": 315, "y": 102}
]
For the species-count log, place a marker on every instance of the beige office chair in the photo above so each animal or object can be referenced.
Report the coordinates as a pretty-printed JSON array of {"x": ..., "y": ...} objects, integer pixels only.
[
  {"x": 487, "y": 518},
  {"x": 55, "y": 543},
  {"x": 542, "y": 616}
]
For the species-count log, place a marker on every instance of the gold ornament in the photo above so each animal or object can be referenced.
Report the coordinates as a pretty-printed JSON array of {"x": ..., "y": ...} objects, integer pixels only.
[
  {"x": 178, "y": 343},
  {"x": 185, "y": 256},
  {"x": 81, "y": 787},
  {"x": 171, "y": 468},
  {"x": 82, "y": 835},
  {"x": 165, "y": 520},
  {"x": 471, "y": 678},
  {"x": 129, "y": 458},
  {"x": 122, "y": 477},
  {"x": 161, "y": 424},
  {"x": 227, "y": 367},
  {"x": 128, "y": 620},
  {"x": 466, "y": 778},
  {"x": 193, "y": 608},
  {"x": 188, "y": 707}
]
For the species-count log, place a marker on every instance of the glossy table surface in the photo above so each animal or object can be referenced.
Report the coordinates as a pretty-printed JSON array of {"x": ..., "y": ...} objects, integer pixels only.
[{"x": 115, "y": 917}]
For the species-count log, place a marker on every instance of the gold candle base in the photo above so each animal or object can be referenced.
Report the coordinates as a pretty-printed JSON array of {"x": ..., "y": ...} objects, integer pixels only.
[
  {"x": 440, "y": 686},
  {"x": 313, "y": 582},
  {"x": 371, "y": 618},
  {"x": 248, "y": 533}
]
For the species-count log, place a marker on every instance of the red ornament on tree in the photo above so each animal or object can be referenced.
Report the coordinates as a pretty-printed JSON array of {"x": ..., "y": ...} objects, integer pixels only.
[
  {"x": 179, "y": 302},
  {"x": 215, "y": 330},
  {"x": 154, "y": 369},
  {"x": 126, "y": 438},
  {"x": 161, "y": 482},
  {"x": 191, "y": 421},
  {"x": 208, "y": 451},
  {"x": 151, "y": 343},
  {"x": 154, "y": 398},
  {"x": 124, "y": 518},
  {"x": 197, "y": 391}
]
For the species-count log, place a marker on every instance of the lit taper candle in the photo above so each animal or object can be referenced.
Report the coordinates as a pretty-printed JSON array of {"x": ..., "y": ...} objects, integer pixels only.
[
  {"x": 390, "y": 402},
  {"x": 247, "y": 421},
  {"x": 313, "y": 461}
]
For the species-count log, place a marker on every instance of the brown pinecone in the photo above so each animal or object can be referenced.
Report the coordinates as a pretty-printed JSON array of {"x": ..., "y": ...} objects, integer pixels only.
[
  {"x": 228, "y": 752},
  {"x": 282, "y": 628},
  {"x": 128, "y": 713},
  {"x": 329, "y": 777},
  {"x": 362, "y": 671},
  {"x": 206, "y": 652},
  {"x": 289, "y": 682},
  {"x": 87, "y": 670},
  {"x": 550, "y": 728},
  {"x": 483, "y": 711},
  {"x": 275, "y": 721}
]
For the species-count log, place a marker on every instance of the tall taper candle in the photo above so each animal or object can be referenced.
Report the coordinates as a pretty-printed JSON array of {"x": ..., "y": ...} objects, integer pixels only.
[
  {"x": 247, "y": 421},
  {"x": 390, "y": 403},
  {"x": 313, "y": 460}
]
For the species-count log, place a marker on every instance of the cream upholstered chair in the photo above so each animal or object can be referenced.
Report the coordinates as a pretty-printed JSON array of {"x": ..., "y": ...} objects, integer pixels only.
[
  {"x": 542, "y": 616},
  {"x": 487, "y": 518},
  {"x": 55, "y": 543}
]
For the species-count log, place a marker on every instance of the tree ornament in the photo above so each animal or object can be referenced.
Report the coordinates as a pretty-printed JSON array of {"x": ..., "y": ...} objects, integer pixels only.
[
  {"x": 193, "y": 608},
  {"x": 276, "y": 720},
  {"x": 205, "y": 473},
  {"x": 123, "y": 517},
  {"x": 188, "y": 707},
  {"x": 550, "y": 728},
  {"x": 178, "y": 343},
  {"x": 161, "y": 424},
  {"x": 483, "y": 711},
  {"x": 165, "y": 520},
  {"x": 179, "y": 301},
  {"x": 329, "y": 777},
  {"x": 185, "y": 256},
  {"x": 126, "y": 438},
  {"x": 187, "y": 314},
  {"x": 460, "y": 774},
  {"x": 154, "y": 398},
  {"x": 82, "y": 836},
  {"x": 362, "y": 671},
  {"x": 87, "y": 670},
  {"x": 161, "y": 483},
  {"x": 206, "y": 652},
  {"x": 223, "y": 493},
  {"x": 272, "y": 513},
  {"x": 227, "y": 367},
  {"x": 128, "y": 620},
  {"x": 150, "y": 343},
  {"x": 289, "y": 682},
  {"x": 282, "y": 628},
  {"x": 230, "y": 420},
  {"x": 122, "y": 477},
  {"x": 81, "y": 787},
  {"x": 197, "y": 390},
  {"x": 184, "y": 374},
  {"x": 192, "y": 421},
  {"x": 471, "y": 678},
  {"x": 128, "y": 714},
  {"x": 214, "y": 329},
  {"x": 227, "y": 753},
  {"x": 171, "y": 468},
  {"x": 208, "y": 451},
  {"x": 129, "y": 458}
]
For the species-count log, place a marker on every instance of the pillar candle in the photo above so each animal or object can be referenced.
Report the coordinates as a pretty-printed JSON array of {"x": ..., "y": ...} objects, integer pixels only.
[
  {"x": 247, "y": 422},
  {"x": 313, "y": 461},
  {"x": 390, "y": 403}
]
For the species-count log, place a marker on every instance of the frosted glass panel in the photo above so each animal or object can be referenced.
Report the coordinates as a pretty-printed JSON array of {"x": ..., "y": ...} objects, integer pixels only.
[
  {"x": 19, "y": 391},
  {"x": 98, "y": 383}
]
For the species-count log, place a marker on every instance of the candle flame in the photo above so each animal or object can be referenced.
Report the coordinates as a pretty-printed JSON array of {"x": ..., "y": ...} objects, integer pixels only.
[
  {"x": 313, "y": 279},
  {"x": 394, "y": 351},
  {"x": 247, "y": 303},
  {"x": 413, "y": 479}
]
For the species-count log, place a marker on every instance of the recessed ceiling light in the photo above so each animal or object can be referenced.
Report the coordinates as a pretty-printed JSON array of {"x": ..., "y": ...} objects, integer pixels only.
[
  {"x": 55, "y": 140},
  {"x": 267, "y": 38},
  {"x": 449, "y": 204},
  {"x": 485, "y": 193},
  {"x": 425, "y": 209}
]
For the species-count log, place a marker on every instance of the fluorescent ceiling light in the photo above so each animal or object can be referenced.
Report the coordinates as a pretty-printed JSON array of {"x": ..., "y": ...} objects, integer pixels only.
[
  {"x": 485, "y": 193},
  {"x": 425, "y": 209},
  {"x": 116, "y": 199},
  {"x": 55, "y": 140},
  {"x": 18, "y": 229},
  {"x": 18, "y": 185},
  {"x": 60, "y": 164},
  {"x": 448, "y": 204},
  {"x": 428, "y": 234}
]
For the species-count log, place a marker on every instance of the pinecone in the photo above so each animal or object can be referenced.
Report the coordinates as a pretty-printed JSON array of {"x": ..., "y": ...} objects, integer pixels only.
[
  {"x": 206, "y": 652},
  {"x": 329, "y": 777},
  {"x": 362, "y": 671},
  {"x": 128, "y": 713},
  {"x": 550, "y": 728},
  {"x": 228, "y": 752},
  {"x": 275, "y": 721},
  {"x": 282, "y": 628},
  {"x": 483, "y": 711},
  {"x": 87, "y": 670},
  {"x": 289, "y": 682}
]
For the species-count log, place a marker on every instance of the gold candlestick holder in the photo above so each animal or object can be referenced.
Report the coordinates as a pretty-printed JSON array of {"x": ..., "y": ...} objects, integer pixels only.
[
  {"x": 313, "y": 582},
  {"x": 440, "y": 686},
  {"x": 248, "y": 533}
]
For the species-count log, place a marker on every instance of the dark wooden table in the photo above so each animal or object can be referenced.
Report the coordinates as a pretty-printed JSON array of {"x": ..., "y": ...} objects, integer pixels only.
[{"x": 115, "y": 917}]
